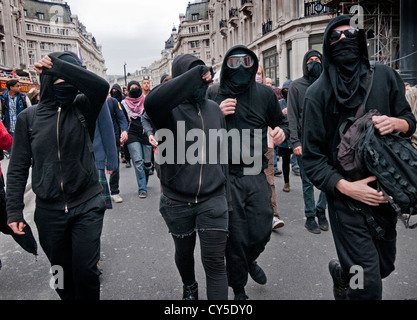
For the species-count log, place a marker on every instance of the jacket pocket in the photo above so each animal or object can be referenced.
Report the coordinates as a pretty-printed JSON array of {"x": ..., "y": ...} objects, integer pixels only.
[{"x": 45, "y": 182}]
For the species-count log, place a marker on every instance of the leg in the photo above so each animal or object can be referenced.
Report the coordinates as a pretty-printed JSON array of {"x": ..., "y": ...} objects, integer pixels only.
[
  {"x": 86, "y": 233},
  {"x": 135, "y": 150}
]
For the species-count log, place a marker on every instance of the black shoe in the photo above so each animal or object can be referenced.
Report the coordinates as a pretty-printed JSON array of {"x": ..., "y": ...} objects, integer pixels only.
[
  {"x": 256, "y": 272},
  {"x": 240, "y": 295},
  {"x": 312, "y": 226},
  {"x": 323, "y": 223},
  {"x": 190, "y": 292},
  {"x": 340, "y": 285},
  {"x": 296, "y": 171},
  {"x": 128, "y": 165},
  {"x": 277, "y": 172}
]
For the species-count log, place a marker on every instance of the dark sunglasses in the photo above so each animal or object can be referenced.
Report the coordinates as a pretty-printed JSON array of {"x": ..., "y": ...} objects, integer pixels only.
[{"x": 349, "y": 33}]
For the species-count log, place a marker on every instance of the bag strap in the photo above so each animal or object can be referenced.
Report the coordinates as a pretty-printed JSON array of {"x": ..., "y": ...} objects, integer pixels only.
[
  {"x": 361, "y": 110},
  {"x": 87, "y": 133}
]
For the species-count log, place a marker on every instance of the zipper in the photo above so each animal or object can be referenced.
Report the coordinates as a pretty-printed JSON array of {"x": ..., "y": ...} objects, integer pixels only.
[
  {"x": 59, "y": 154},
  {"x": 202, "y": 158}
]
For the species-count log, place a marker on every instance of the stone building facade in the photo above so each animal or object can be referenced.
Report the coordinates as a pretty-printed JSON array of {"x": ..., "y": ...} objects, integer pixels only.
[{"x": 31, "y": 29}]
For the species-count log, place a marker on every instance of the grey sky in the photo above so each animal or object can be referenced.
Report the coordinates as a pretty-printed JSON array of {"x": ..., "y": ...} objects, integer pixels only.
[{"x": 131, "y": 31}]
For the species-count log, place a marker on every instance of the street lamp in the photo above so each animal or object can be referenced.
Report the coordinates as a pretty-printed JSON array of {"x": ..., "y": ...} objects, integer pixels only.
[{"x": 125, "y": 75}]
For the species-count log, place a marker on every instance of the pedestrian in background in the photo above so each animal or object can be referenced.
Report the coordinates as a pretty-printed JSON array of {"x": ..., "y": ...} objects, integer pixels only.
[
  {"x": 138, "y": 144},
  {"x": 311, "y": 71}
]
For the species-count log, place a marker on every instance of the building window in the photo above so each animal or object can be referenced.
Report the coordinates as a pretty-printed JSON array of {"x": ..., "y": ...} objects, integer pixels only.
[
  {"x": 40, "y": 15},
  {"x": 270, "y": 65},
  {"x": 289, "y": 60},
  {"x": 316, "y": 42},
  {"x": 195, "y": 44},
  {"x": 194, "y": 16}
]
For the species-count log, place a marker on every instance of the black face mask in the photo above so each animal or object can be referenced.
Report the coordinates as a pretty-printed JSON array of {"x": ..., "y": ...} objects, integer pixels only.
[
  {"x": 65, "y": 93},
  {"x": 117, "y": 95},
  {"x": 345, "y": 52},
  {"x": 135, "y": 93},
  {"x": 314, "y": 70},
  {"x": 284, "y": 94}
]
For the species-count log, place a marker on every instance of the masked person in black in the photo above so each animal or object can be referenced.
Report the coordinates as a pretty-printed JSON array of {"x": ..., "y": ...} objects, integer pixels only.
[
  {"x": 312, "y": 68},
  {"x": 194, "y": 187},
  {"x": 335, "y": 96},
  {"x": 69, "y": 206},
  {"x": 248, "y": 107}
]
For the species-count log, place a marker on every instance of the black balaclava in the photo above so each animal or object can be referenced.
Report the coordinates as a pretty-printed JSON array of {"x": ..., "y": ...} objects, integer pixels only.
[
  {"x": 184, "y": 63},
  {"x": 116, "y": 92},
  {"x": 313, "y": 69},
  {"x": 65, "y": 92},
  {"x": 238, "y": 80},
  {"x": 347, "y": 64},
  {"x": 136, "y": 92}
]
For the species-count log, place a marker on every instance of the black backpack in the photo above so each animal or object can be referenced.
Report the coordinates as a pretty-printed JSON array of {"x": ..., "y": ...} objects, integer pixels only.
[{"x": 391, "y": 158}]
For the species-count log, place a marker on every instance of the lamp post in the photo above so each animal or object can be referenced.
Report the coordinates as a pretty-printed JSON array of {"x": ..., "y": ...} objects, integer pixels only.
[{"x": 125, "y": 75}]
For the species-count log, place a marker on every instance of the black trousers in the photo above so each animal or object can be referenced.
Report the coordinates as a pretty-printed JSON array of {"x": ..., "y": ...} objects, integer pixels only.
[
  {"x": 250, "y": 225},
  {"x": 359, "y": 249},
  {"x": 71, "y": 241}
]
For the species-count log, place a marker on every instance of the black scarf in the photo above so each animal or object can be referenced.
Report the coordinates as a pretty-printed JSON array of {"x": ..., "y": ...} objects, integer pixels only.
[{"x": 348, "y": 72}]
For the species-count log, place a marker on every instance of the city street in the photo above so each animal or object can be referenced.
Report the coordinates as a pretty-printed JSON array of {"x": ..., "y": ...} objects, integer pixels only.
[{"x": 137, "y": 255}]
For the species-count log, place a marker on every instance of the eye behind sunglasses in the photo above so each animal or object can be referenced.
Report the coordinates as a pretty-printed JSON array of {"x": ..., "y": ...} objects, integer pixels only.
[
  {"x": 349, "y": 33},
  {"x": 236, "y": 61}
]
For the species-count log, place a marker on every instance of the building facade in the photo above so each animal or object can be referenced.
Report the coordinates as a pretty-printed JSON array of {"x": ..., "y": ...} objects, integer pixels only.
[
  {"x": 31, "y": 29},
  {"x": 280, "y": 32}
]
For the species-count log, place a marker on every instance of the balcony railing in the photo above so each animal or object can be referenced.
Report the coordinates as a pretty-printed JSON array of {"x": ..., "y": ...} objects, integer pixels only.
[
  {"x": 246, "y": 1},
  {"x": 314, "y": 8},
  {"x": 223, "y": 24},
  {"x": 233, "y": 13},
  {"x": 266, "y": 27}
]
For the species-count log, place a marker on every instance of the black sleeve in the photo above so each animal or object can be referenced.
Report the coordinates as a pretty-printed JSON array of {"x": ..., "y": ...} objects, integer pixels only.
[
  {"x": 94, "y": 88},
  {"x": 276, "y": 117},
  {"x": 18, "y": 170},
  {"x": 165, "y": 97}
]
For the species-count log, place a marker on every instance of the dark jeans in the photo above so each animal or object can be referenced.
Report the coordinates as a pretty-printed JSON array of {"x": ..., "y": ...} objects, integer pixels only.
[
  {"x": 250, "y": 225},
  {"x": 210, "y": 219},
  {"x": 356, "y": 246},
  {"x": 310, "y": 207},
  {"x": 72, "y": 241},
  {"x": 115, "y": 176}
]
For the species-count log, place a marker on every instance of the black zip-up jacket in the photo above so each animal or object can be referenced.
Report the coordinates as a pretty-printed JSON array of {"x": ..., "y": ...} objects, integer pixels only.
[
  {"x": 323, "y": 115},
  {"x": 172, "y": 103},
  {"x": 63, "y": 169},
  {"x": 257, "y": 108}
]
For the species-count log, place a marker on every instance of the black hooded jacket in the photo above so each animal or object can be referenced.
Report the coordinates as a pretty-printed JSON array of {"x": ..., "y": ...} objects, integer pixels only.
[
  {"x": 179, "y": 106},
  {"x": 63, "y": 169},
  {"x": 296, "y": 93},
  {"x": 323, "y": 115},
  {"x": 257, "y": 108}
]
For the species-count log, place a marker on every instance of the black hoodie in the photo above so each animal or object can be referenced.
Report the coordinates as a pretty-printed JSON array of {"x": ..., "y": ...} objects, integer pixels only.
[
  {"x": 180, "y": 101},
  {"x": 323, "y": 114},
  {"x": 63, "y": 169},
  {"x": 257, "y": 108},
  {"x": 296, "y": 93}
]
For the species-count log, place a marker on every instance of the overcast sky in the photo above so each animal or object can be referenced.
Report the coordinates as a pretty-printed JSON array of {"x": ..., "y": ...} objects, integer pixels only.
[{"x": 131, "y": 31}]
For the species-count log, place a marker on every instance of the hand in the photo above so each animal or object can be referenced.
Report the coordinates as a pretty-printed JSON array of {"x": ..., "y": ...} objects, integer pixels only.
[
  {"x": 386, "y": 125},
  {"x": 228, "y": 106},
  {"x": 123, "y": 137},
  {"x": 298, "y": 151},
  {"x": 278, "y": 135},
  {"x": 17, "y": 227},
  {"x": 284, "y": 111},
  {"x": 359, "y": 190},
  {"x": 153, "y": 141},
  {"x": 207, "y": 76},
  {"x": 45, "y": 62},
  {"x": 109, "y": 171}
]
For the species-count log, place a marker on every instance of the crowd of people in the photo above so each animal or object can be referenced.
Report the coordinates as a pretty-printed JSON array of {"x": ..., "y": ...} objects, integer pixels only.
[{"x": 80, "y": 129}]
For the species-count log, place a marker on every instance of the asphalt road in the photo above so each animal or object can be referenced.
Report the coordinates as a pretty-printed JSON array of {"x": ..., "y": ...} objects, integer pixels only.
[{"x": 137, "y": 255}]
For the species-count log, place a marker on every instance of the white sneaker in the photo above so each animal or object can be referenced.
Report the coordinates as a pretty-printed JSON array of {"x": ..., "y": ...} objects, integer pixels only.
[
  {"x": 277, "y": 223},
  {"x": 116, "y": 198}
]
